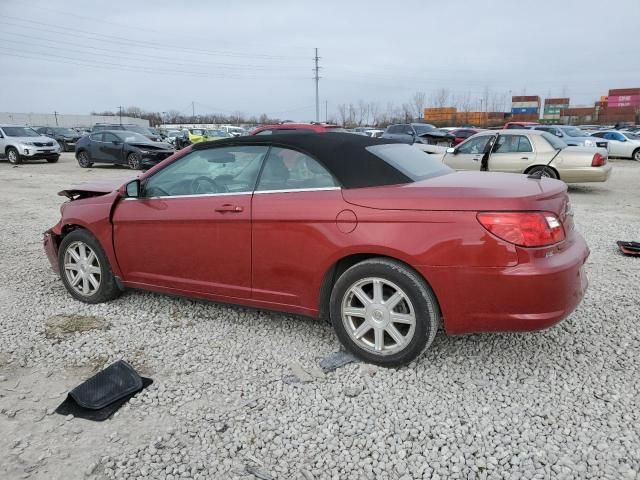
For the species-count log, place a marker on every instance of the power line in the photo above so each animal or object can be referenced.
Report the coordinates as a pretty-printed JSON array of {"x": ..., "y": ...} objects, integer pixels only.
[{"x": 142, "y": 43}]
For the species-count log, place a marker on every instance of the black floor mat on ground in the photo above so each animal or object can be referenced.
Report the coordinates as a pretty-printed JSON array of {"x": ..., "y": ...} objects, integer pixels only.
[
  {"x": 629, "y": 248},
  {"x": 103, "y": 394}
]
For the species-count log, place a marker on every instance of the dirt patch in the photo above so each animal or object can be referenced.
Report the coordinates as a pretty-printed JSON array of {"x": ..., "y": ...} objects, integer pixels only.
[{"x": 61, "y": 325}]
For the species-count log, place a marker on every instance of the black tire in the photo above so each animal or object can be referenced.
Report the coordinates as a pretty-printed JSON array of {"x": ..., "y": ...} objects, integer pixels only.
[
  {"x": 13, "y": 156},
  {"x": 133, "y": 160},
  {"x": 547, "y": 172},
  {"x": 421, "y": 300},
  {"x": 53, "y": 159},
  {"x": 83, "y": 159},
  {"x": 108, "y": 289},
  {"x": 636, "y": 155}
]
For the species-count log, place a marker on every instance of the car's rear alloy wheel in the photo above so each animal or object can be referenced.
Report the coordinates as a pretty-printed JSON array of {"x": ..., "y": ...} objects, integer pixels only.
[
  {"x": 636, "y": 155},
  {"x": 133, "y": 159},
  {"x": 85, "y": 269},
  {"x": 13, "y": 156},
  {"x": 384, "y": 312},
  {"x": 547, "y": 172},
  {"x": 83, "y": 160}
]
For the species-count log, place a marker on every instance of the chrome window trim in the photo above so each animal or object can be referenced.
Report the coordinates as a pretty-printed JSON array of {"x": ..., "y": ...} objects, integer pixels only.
[
  {"x": 227, "y": 194},
  {"x": 291, "y": 190},
  {"x": 199, "y": 195}
]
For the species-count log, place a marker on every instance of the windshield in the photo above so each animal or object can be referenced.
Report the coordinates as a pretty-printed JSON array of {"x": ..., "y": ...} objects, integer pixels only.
[
  {"x": 197, "y": 131},
  {"x": 555, "y": 142},
  {"x": 132, "y": 137},
  {"x": 20, "y": 132},
  {"x": 65, "y": 131},
  {"x": 574, "y": 132},
  {"x": 632, "y": 136},
  {"x": 217, "y": 133},
  {"x": 142, "y": 130},
  {"x": 173, "y": 133},
  {"x": 420, "y": 129},
  {"x": 411, "y": 161}
]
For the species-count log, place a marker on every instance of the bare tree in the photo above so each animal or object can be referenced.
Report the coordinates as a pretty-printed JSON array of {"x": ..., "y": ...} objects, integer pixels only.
[
  {"x": 419, "y": 101},
  {"x": 440, "y": 98}
]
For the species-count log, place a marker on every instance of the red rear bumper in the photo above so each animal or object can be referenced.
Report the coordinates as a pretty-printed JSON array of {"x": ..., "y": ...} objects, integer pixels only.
[
  {"x": 537, "y": 293},
  {"x": 51, "y": 249}
]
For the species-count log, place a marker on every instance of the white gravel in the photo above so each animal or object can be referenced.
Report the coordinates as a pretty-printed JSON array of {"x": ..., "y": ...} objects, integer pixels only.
[{"x": 239, "y": 393}]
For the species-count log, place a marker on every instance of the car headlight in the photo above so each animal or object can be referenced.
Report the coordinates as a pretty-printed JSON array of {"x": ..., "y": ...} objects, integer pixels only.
[
  {"x": 144, "y": 152},
  {"x": 27, "y": 144},
  {"x": 589, "y": 143}
]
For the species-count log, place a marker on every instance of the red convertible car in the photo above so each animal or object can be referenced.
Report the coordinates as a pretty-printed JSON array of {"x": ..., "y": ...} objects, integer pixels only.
[{"x": 378, "y": 238}]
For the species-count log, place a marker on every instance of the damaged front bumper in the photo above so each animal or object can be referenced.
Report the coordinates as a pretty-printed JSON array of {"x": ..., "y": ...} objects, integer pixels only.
[{"x": 50, "y": 242}]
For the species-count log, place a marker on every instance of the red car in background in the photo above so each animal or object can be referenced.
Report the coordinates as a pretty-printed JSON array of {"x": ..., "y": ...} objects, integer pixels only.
[
  {"x": 381, "y": 240},
  {"x": 519, "y": 125},
  {"x": 296, "y": 128},
  {"x": 461, "y": 134}
]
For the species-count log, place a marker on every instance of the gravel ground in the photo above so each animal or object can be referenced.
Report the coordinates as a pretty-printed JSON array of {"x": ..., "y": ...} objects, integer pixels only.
[{"x": 238, "y": 393}]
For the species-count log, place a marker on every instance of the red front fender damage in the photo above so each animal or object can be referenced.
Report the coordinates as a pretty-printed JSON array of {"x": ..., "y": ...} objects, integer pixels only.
[{"x": 92, "y": 214}]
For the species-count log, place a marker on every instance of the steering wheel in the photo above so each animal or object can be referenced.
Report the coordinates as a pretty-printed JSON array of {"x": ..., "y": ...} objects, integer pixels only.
[{"x": 196, "y": 183}]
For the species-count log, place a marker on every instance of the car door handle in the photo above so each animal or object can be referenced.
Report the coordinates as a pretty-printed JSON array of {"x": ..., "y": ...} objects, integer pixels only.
[
  {"x": 227, "y": 207},
  {"x": 524, "y": 158},
  {"x": 476, "y": 159}
]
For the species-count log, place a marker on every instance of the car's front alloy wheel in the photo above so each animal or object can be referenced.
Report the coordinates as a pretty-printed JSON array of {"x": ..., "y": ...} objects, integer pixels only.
[
  {"x": 13, "y": 156},
  {"x": 636, "y": 155},
  {"x": 384, "y": 312},
  {"x": 85, "y": 269}
]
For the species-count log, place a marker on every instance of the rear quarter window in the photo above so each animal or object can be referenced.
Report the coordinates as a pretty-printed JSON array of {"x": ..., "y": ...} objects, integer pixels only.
[{"x": 409, "y": 160}]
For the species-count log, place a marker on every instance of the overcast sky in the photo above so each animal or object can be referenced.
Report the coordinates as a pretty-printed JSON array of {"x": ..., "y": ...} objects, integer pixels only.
[{"x": 255, "y": 56}]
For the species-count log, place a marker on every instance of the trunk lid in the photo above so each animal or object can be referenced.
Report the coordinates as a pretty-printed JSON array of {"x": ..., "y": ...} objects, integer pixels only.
[{"x": 467, "y": 191}]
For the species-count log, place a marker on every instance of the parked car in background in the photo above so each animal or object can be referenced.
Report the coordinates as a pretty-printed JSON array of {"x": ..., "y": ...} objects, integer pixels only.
[
  {"x": 98, "y": 127},
  {"x": 296, "y": 128},
  {"x": 621, "y": 144},
  {"x": 121, "y": 147},
  {"x": 170, "y": 136},
  {"x": 418, "y": 133},
  {"x": 66, "y": 137},
  {"x": 519, "y": 125},
  {"x": 461, "y": 134},
  {"x": 573, "y": 136},
  {"x": 233, "y": 130},
  {"x": 374, "y": 236},
  {"x": 210, "y": 135},
  {"x": 374, "y": 132},
  {"x": 529, "y": 152},
  {"x": 19, "y": 143}
]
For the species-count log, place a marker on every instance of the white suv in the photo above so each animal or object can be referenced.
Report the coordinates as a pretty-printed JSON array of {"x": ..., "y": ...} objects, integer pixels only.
[{"x": 19, "y": 143}]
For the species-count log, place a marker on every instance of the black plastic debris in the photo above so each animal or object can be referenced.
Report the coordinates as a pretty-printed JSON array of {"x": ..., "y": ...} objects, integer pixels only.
[
  {"x": 103, "y": 394},
  {"x": 336, "y": 360},
  {"x": 629, "y": 248}
]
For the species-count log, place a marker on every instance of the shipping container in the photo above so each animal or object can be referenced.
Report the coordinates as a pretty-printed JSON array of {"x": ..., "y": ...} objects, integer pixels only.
[
  {"x": 576, "y": 112},
  {"x": 525, "y": 105},
  {"x": 624, "y": 101},
  {"x": 526, "y": 98},
  {"x": 624, "y": 91},
  {"x": 604, "y": 98},
  {"x": 556, "y": 101},
  {"x": 524, "y": 110}
]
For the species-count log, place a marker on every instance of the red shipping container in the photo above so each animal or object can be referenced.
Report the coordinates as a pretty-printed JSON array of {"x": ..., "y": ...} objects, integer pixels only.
[
  {"x": 624, "y": 101},
  {"x": 624, "y": 91},
  {"x": 556, "y": 101}
]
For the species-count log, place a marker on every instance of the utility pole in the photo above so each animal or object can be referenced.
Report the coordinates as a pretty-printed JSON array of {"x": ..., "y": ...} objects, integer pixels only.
[
  {"x": 55, "y": 114},
  {"x": 326, "y": 111},
  {"x": 120, "y": 109},
  {"x": 317, "y": 79},
  {"x": 193, "y": 110}
]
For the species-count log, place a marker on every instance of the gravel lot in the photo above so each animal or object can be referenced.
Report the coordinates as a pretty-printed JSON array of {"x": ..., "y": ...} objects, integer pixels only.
[{"x": 238, "y": 393}]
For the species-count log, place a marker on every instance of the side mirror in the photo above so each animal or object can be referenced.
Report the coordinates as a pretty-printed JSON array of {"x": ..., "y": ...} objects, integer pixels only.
[
  {"x": 132, "y": 189},
  {"x": 451, "y": 150},
  {"x": 559, "y": 134}
]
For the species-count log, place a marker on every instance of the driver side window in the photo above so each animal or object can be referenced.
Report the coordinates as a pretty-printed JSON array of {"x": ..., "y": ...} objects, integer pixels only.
[
  {"x": 475, "y": 145},
  {"x": 209, "y": 171}
]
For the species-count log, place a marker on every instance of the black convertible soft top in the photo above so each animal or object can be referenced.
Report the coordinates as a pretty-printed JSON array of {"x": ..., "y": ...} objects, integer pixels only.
[{"x": 343, "y": 154}]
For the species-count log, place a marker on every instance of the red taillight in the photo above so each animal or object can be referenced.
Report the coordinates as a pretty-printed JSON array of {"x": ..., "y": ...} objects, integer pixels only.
[
  {"x": 598, "y": 160},
  {"x": 527, "y": 229}
]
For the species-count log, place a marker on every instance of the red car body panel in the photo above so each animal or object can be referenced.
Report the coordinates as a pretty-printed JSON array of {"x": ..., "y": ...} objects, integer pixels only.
[
  {"x": 274, "y": 250},
  {"x": 461, "y": 134}
]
